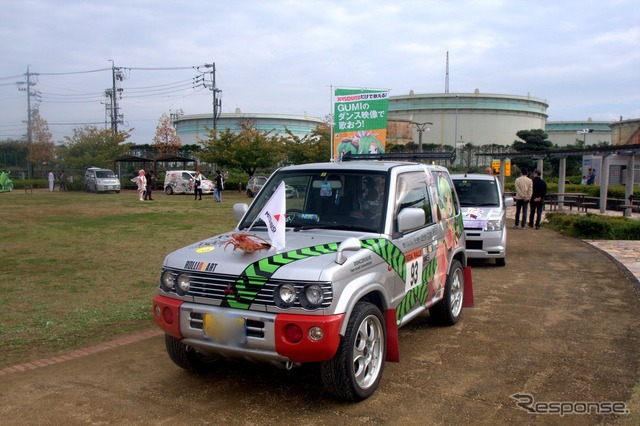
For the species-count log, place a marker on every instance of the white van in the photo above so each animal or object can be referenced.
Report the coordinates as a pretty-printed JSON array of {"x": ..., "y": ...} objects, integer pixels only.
[
  {"x": 484, "y": 210},
  {"x": 181, "y": 182},
  {"x": 97, "y": 180}
]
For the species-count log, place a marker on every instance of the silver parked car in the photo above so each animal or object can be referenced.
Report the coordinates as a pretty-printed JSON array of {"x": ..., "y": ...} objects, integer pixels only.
[
  {"x": 484, "y": 210},
  {"x": 100, "y": 180}
]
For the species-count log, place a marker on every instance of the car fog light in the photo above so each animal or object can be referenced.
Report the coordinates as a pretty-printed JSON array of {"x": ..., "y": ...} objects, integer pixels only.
[
  {"x": 315, "y": 333},
  {"x": 167, "y": 315},
  {"x": 293, "y": 333},
  {"x": 182, "y": 284}
]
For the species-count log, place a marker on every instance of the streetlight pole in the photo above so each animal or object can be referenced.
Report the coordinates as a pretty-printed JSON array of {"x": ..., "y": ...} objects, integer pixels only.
[
  {"x": 421, "y": 128},
  {"x": 584, "y": 132},
  {"x": 455, "y": 142}
]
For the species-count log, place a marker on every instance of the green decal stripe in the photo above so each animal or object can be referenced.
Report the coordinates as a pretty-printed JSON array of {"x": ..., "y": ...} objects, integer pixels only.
[
  {"x": 258, "y": 273},
  {"x": 430, "y": 271},
  {"x": 389, "y": 252},
  {"x": 405, "y": 305},
  {"x": 421, "y": 293}
]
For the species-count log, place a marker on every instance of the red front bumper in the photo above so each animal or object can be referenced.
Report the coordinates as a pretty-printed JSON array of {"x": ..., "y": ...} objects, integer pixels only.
[{"x": 292, "y": 332}]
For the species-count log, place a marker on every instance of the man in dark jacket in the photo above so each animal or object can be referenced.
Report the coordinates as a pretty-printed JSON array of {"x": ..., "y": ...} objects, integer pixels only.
[{"x": 537, "y": 199}]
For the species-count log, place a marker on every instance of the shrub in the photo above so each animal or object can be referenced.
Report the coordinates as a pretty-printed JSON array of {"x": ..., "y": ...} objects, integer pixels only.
[{"x": 594, "y": 227}]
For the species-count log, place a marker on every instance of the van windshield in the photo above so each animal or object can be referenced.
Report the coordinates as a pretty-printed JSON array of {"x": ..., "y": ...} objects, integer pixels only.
[
  {"x": 477, "y": 193},
  {"x": 105, "y": 174}
]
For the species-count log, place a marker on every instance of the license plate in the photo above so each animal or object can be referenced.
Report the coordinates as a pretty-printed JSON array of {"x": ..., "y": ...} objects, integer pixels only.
[{"x": 224, "y": 329}]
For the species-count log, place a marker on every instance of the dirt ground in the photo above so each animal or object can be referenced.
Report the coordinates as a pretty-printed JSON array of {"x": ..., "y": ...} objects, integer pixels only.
[{"x": 560, "y": 323}]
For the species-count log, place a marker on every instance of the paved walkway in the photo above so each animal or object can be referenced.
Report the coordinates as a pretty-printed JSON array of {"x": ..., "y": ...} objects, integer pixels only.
[{"x": 625, "y": 252}]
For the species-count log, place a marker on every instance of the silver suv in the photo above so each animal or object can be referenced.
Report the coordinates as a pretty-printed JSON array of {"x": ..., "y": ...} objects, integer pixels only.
[
  {"x": 100, "y": 180},
  {"x": 368, "y": 247},
  {"x": 484, "y": 210}
]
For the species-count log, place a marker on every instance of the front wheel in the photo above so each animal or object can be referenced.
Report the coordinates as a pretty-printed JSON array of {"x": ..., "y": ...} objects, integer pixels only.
[
  {"x": 9, "y": 186},
  {"x": 356, "y": 369},
  {"x": 186, "y": 357},
  {"x": 449, "y": 309},
  {"x": 168, "y": 190}
]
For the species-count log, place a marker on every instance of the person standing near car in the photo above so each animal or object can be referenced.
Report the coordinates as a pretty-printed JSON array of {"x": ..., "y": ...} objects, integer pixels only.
[
  {"x": 63, "y": 181},
  {"x": 537, "y": 199},
  {"x": 151, "y": 183},
  {"x": 52, "y": 179},
  {"x": 141, "y": 181},
  {"x": 218, "y": 188},
  {"x": 524, "y": 190},
  {"x": 197, "y": 182}
]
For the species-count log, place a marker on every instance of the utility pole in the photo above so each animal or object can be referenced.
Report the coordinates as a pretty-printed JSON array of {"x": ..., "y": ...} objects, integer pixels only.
[
  {"x": 28, "y": 83},
  {"x": 113, "y": 94},
  {"x": 211, "y": 85}
]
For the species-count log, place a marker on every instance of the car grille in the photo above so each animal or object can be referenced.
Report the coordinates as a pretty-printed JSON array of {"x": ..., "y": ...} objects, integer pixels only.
[
  {"x": 474, "y": 245},
  {"x": 216, "y": 286}
]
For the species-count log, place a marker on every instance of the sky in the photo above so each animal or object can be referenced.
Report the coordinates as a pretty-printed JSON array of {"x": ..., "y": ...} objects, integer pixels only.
[{"x": 286, "y": 56}]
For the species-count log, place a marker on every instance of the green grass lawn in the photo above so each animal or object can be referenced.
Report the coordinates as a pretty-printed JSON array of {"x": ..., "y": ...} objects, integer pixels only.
[{"x": 78, "y": 269}]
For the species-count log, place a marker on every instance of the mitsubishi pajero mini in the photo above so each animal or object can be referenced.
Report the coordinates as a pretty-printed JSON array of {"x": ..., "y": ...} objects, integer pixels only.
[{"x": 325, "y": 277}]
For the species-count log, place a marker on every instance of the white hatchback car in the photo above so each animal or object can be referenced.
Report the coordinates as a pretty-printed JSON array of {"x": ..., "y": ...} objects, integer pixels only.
[{"x": 484, "y": 210}]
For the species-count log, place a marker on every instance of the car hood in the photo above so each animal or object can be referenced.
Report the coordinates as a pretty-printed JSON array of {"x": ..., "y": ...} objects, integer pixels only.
[
  {"x": 308, "y": 252},
  {"x": 476, "y": 217}
]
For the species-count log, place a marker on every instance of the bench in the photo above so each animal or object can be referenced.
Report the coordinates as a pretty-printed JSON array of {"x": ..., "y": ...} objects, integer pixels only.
[{"x": 633, "y": 204}]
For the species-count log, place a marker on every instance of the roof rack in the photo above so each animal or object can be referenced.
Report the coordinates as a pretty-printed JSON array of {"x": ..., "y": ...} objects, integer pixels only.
[{"x": 449, "y": 156}]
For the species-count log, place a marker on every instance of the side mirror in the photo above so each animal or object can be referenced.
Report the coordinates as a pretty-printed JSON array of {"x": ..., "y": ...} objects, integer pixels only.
[
  {"x": 410, "y": 218},
  {"x": 508, "y": 202},
  {"x": 350, "y": 244},
  {"x": 239, "y": 209}
]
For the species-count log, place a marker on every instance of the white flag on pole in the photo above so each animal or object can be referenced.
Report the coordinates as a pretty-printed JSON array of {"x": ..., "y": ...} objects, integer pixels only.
[{"x": 273, "y": 215}]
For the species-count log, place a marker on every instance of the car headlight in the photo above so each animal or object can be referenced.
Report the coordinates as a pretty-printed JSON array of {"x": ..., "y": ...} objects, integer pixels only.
[
  {"x": 167, "y": 281},
  {"x": 285, "y": 296},
  {"x": 311, "y": 297},
  {"x": 494, "y": 225},
  {"x": 182, "y": 284}
]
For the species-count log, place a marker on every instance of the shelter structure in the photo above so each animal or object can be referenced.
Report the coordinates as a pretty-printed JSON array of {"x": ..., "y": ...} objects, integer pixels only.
[
  {"x": 170, "y": 158},
  {"x": 628, "y": 151},
  {"x": 131, "y": 159}
]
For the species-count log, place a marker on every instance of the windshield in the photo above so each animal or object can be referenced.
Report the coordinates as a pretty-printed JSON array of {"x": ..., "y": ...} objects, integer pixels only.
[
  {"x": 105, "y": 174},
  {"x": 477, "y": 193},
  {"x": 316, "y": 199}
]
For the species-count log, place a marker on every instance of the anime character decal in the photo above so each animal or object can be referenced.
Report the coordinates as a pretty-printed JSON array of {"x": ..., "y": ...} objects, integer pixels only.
[{"x": 434, "y": 274}]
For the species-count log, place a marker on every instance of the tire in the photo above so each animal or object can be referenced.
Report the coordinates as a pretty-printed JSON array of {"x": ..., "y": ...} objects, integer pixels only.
[
  {"x": 9, "y": 187},
  {"x": 501, "y": 261},
  {"x": 449, "y": 310},
  {"x": 250, "y": 194},
  {"x": 356, "y": 369},
  {"x": 168, "y": 190},
  {"x": 188, "y": 358}
]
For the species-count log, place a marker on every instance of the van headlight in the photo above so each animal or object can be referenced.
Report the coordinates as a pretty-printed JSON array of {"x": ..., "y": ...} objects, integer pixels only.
[
  {"x": 182, "y": 284},
  {"x": 494, "y": 225}
]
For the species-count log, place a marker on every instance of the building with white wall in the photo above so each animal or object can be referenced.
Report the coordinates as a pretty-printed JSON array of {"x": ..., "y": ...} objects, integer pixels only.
[
  {"x": 192, "y": 128},
  {"x": 478, "y": 118}
]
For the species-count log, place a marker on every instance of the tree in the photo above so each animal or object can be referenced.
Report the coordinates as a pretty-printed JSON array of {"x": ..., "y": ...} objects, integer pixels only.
[
  {"x": 166, "y": 140},
  {"x": 312, "y": 148},
  {"x": 90, "y": 146},
  {"x": 42, "y": 149},
  {"x": 532, "y": 140},
  {"x": 248, "y": 150}
]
